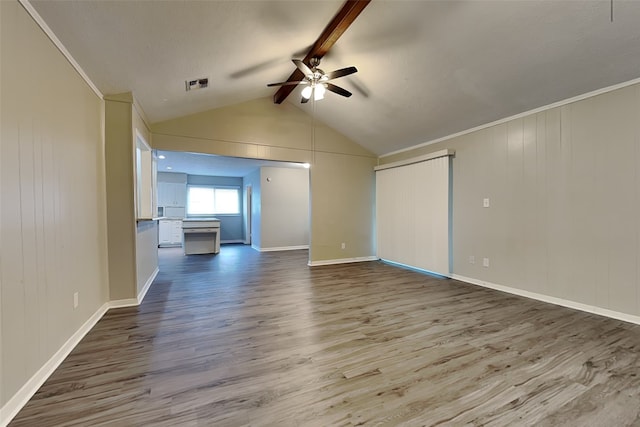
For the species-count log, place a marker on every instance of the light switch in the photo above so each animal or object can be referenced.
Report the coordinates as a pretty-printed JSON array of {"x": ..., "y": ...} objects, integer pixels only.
[
  {"x": 485, "y": 262},
  {"x": 485, "y": 203}
]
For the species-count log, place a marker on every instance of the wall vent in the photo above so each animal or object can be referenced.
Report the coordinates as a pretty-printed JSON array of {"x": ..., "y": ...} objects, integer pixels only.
[{"x": 196, "y": 84}]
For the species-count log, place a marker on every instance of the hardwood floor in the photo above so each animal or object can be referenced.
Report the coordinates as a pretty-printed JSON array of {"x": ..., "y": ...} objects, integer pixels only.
[{"x": 260, "y": 339}]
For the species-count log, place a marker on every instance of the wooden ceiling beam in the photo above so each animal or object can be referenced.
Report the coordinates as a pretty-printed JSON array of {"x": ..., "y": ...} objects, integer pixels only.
[{"x": 332, "y": 32}]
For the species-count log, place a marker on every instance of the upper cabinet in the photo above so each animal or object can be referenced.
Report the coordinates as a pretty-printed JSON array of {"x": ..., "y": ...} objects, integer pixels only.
[
  {"x": 172, "y": 189},
  {"x": 172, "y": 194}
]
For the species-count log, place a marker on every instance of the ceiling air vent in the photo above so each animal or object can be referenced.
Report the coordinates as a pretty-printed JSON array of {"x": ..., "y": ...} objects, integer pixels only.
[{"x": 196, "y": 84}]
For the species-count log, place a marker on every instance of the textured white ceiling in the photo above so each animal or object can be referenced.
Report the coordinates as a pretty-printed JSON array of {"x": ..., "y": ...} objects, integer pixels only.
[{"x": 427, "y": 69}]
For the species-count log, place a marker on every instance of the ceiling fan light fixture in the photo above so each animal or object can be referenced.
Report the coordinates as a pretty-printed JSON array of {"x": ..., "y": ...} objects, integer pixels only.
[
  {"x": 306, "y": 92},
  {"x": 318, "y": 94}
]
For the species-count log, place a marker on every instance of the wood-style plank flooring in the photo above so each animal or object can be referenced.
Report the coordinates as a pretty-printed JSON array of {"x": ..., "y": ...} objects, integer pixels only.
[{"x": 260, "y": 339}]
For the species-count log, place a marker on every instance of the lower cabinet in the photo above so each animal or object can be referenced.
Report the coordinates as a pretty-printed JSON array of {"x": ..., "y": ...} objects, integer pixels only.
[{"x": 170, "y": 232}]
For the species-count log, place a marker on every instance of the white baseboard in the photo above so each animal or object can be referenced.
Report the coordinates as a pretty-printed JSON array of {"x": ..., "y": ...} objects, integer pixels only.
[
  {"x": 281, "y": 248},
  {"x": 553, "y": 300},
  {"x": 121, "y": 303},
  {"x": 412, "y": 268},
  {"x": 226, "y": 242},
  {"x": 341, "y": 261},
  {"x": 147, "y": 285},
  {"x": 17, "y": 402}
]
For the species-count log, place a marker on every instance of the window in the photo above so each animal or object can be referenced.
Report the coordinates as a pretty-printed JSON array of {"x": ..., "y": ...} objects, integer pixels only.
[
  {"x": 226, "y": 200},
  {"x": 213, "y": 201}
]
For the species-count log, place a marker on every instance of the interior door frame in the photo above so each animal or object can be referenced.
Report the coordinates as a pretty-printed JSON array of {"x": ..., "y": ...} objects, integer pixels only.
[{"x": 247, "y": 217}]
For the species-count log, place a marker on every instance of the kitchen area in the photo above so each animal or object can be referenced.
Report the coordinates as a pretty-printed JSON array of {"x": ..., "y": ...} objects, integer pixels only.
[
  {"x": 205, "y": 202},
  {"x": 197, "y": 235}
]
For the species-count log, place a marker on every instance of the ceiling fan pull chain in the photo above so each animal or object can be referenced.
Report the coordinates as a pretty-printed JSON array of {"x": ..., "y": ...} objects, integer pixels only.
[{"x": 611, "y": 10}]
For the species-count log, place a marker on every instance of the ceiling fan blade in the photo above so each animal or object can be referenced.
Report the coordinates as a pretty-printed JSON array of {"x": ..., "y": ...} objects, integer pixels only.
[
  {"x": 337, "y": 89},
  {"x": 302, "y": 67},
  {"x": 332, "y": 32},
  {"x": 301, "y": 82},
  {"x": 341, "y": 72}
]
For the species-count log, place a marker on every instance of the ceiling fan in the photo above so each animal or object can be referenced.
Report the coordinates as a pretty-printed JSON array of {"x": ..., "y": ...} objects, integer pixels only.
[
  {"x": 336, "y": 27},
  {"x": 317, "y": 81}
]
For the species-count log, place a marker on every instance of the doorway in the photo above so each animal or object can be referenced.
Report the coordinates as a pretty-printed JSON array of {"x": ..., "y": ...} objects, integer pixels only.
[{"x": 270, "y": 216}]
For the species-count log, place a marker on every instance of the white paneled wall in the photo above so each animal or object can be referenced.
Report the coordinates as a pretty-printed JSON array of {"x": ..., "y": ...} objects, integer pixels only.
[
  {"x": 412, "y": 214},
  {"x": 564, "y": 218},
  {"x": 565, "y": 213},
  {"x": 53, "y": 235}
]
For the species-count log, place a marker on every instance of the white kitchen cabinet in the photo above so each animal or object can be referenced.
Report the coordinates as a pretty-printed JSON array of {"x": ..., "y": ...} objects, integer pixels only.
[
  {"x": 172, "y": 194},
  {"x": 176, "y": 232},
  {"x": 162, "y": 194},
  {"x": 170, "y": 232}
]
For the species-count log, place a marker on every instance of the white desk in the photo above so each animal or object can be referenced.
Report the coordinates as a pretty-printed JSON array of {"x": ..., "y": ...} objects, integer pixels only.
[{"x": 201, "y": 236}]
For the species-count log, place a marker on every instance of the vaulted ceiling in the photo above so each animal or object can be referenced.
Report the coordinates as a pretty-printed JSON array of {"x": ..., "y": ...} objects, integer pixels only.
[{"x": 427, "y": 69}]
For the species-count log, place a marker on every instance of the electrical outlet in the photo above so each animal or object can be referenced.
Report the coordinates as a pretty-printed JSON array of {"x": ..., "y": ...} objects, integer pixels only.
[
  {"x": 486, "y": 203},
  {"x": 344, "y": 245},
  {"x": 472, "y": 259},
  {"x": 485, "y": 262},
  {"x": 75, "y": 300}
]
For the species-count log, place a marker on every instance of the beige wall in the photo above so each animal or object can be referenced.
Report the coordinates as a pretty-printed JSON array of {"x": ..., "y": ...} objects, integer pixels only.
[
  {"x": 564, "y": 194},
  {"x": 121, "y": 223},
  {"x": 133, "y": 250},
  {"x": 53, "y": 235},
  {"x": 146, "y": 253},
  {"x": 342, "y": 207},
  {"x": 284, "y": 207},
  {"x": 146, "y": 231},
  {"x": 341, "y": 174}
]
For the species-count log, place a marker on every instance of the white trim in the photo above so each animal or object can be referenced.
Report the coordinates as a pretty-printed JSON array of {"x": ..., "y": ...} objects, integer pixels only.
[
  {"x": 281, "y": 248},
  {"x": 26, "y": 392},
  {"x": 226, "y": 242},
  {"x": 412, "y": 268},
  {"x": 121, "y": 303},
  {"x": 341, "y": 261},
  {"x": 54, "y": 39},
  {"x": 141, "y": 113},
  {"x": 17, "y": 402},
  {"x": 142, "y": 139},
  {"x": 520, "y": 115},
  {"x": 553, "y": 300},
  {"x": 147, "y": 285},
  {"x": 418, "y": 159}
]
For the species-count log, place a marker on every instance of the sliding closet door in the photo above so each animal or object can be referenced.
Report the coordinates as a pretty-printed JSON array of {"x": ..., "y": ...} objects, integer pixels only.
[{"x": 412, "y": 214}]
